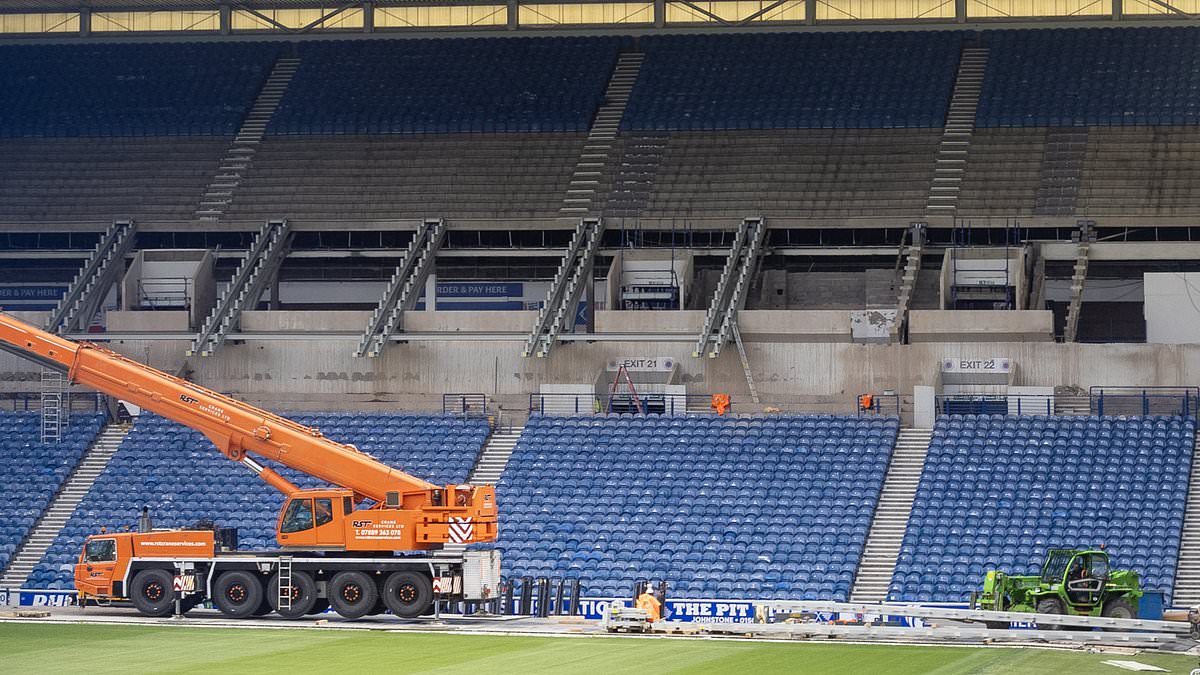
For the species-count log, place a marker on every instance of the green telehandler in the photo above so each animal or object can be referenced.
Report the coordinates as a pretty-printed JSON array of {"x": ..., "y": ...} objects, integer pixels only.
[{"x": 1074, "y": 582}]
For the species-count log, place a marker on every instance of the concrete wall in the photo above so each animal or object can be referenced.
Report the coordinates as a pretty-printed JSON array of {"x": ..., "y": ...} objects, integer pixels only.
[
  {"x": 981, "y": 326},
  {"x": 1172, "y": 307},
  {"x": 135, "y": 321},
  {"x": 293, "y": 374}
]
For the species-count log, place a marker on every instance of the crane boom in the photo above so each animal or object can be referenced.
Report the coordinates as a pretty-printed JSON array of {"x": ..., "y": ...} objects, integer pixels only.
[
  {"x": 408, "y": 512},
  {"x": 233, "y": 426}
]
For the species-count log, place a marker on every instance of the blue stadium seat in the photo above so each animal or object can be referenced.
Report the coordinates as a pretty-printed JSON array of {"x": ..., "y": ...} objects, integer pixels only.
[
  {"x": 998, "y": 491},
  {"x": 717, "y": 506},
  {"x": 183, "y": 479}
]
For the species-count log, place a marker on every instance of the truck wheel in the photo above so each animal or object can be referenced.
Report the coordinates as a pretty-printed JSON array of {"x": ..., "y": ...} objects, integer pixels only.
[
  {"x": 1049, "y": 606},
  {"x": 1118, "y": 608},
  {"x": 352, "y": 594},
  {"x": 238, "y": 594},
  {"x": 408, "y": 594},
  {"x": 304, "y": 595},
  {"x": 152, "y": 592}
]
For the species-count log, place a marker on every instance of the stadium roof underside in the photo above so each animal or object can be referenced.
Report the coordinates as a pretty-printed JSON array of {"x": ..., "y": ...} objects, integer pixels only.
[{"x": 197, "y": 18}]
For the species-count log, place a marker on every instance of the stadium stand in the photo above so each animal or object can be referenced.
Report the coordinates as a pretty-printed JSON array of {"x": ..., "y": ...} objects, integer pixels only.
[
  {"x": 158, "y": 89},
  {"x": 816, "y": 173},
  {"x": 183, "y": 479},
  {"x": 105, "y": 177},
  {"x": 1093, "y": 77},
  {"x": 748, "y": 507},
  {"x": 1145, "y": 171},
  {"x": 516, "y": 175},
  {"x": 446, "y": 86},
  {"x": 794, "y": 81},
  {"x": 31, "y": 472},
  {"x": 998, "y": 491},
  {"x": 1004, "y": 172}
]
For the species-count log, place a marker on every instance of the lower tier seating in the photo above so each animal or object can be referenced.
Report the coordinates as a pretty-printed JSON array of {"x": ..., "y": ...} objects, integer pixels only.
[
  {"x": 183, "y": 479},
  {"x": 998, "y": 491},
  {"x": 765, "y": 507},
  {"x": 31, "y": 472}
]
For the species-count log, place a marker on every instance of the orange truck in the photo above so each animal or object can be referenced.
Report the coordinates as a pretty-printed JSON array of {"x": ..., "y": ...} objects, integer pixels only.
[{"x": 363, "y": 545}]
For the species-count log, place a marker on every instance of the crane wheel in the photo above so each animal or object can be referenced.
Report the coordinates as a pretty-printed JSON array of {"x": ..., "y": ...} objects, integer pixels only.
[
  {"x": 152, "y": 592},
  {"x": 408, "y": 594},
  {"x": 238, "y": 594},
  {"x": 1049, "y": 606},
  {"x": 352, "y": 594},
  {"x": 304, "y": 595}
]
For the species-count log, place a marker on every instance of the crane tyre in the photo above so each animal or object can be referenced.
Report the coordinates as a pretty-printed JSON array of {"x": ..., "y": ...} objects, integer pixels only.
[
  {"x": 152, "y": 592},
  {"x": 238, "y": 594},
  {"x": 352, "y": 594},
  {"x": 408, "y": 594},
  {"x": 304, "y": 595},
  {"x": 1049, "y": 606}
]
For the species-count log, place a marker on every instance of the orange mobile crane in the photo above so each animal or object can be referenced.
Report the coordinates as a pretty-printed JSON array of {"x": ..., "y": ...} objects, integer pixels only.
[{"x": 339, "y": 545}]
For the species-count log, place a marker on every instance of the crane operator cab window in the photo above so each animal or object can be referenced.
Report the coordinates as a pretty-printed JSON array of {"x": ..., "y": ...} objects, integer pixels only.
[
  {"x": 100, "y": 550},
  {"x": 324, "y": 511},
  {"x": 299, "y": 516}
]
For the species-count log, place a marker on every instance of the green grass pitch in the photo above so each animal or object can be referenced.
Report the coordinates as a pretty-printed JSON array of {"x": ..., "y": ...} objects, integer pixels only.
[{"x": 92, "y": 649}]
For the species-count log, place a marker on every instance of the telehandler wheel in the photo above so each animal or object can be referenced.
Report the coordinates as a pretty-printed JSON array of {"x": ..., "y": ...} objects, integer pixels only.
[
  {"x": 1118, "y": 608},
  {"x": 1049, "y": 606},
  {"x": 352, "y": 594},
  {"x": 152, "y": 592},
  {"x": 998, "y": 625},
  {"x": 408, "y": 594},
  {"x": 238, "y": 594},
  {"x": 304, "y": 595}
]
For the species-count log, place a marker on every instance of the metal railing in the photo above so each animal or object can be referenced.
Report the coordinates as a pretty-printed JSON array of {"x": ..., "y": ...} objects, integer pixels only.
[
  {"x": 644, "y": 404},
  {"x": 29, "y": 401},
  {"x": 994, "y": 404},
  {"x": 883, "y": 405},
  {"x": 165, "y": 293},
  {"x": 1144, "y": 400},
  {"x": 465, "y": 405}
]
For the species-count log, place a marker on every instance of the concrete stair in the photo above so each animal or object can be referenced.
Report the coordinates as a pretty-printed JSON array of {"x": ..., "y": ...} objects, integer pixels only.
[
  {"x": 220, "y": 192},
  {"x": 882, "y": 547},
  {"x": 72, "y": 492},
  {"x": 489, "y": 466},
  {"x": 583, "y": 192},
  {"x": 951, "y": 161},
  {"x": 1187, "y": 573}
]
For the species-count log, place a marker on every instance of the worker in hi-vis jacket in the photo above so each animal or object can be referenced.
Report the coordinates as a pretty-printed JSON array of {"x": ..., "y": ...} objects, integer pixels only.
[{"x": 651, "y": 604}]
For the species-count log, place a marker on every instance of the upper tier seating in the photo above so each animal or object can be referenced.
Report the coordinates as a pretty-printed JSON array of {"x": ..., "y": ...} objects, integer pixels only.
[
  {"x": 794, "y": 81},
  {"x": 63, "y": 179},
  {"x": 183, "y": 479},
  {"x": 388, "y": 176},
  {"x": 31, "y": 472},
  {"x": 765, "y": 507},
  {"x": 1093, "y": 76},
  {"x": 807, "y": 173},
  {"x": 175, "y": 89},
  {"x": 440, "y": 86},
  {"x": 998, "y": 491}
]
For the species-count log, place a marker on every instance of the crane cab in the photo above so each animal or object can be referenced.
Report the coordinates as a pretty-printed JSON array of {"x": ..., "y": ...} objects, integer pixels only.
[{"x": 315, "y": 519}]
